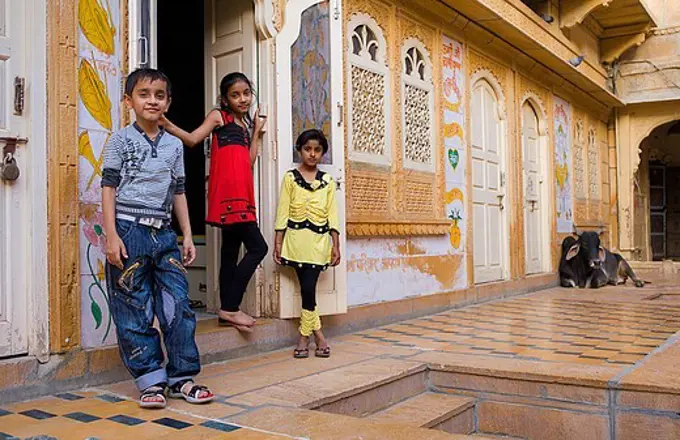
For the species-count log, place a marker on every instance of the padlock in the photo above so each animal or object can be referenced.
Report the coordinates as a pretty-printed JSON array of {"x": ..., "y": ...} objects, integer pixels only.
[{"x": 9, "y": 170}]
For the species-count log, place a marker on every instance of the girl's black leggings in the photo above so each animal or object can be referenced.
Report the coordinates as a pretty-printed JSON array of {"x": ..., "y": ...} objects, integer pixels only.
[
  {"x": 235, "y": 275},
  {"x": 308, "y": 278}
]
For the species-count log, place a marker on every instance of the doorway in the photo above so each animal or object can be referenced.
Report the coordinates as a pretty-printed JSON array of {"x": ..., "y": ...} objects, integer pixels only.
[
  {"x": 488, "y": 182},
  {"x": 659, "y": 176},
  {"x": 196, "y": 47},
  {"x": 534, "y": 161}
]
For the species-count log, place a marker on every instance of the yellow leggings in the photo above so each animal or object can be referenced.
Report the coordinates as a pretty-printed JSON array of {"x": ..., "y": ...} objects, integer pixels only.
[{"x": 309, "y": 322}]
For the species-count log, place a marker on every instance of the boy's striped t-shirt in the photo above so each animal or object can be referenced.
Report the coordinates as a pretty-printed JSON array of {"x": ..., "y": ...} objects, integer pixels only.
[{"x": 146, "y": 173}]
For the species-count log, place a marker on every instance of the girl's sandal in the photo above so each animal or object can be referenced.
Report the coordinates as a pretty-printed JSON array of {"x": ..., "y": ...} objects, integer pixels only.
[
  {"x": 153, "y": 398},
  {"x": 177, "y": 391},
  {"x": 323, "y": 352},
  {"x": 301, "y": 353}
]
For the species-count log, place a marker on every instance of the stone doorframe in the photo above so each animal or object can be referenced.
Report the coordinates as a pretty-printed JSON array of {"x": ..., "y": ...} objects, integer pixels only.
[{"x": 634, "y": 123}]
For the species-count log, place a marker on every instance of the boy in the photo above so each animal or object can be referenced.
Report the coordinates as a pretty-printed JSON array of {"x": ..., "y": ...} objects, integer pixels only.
[{"x": 143, "y": 178}]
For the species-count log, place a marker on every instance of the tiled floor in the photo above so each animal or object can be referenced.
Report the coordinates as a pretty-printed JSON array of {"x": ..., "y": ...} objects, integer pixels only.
[
  {"x": 547, "y": 329},
  {"x": 614, "y": 329}
]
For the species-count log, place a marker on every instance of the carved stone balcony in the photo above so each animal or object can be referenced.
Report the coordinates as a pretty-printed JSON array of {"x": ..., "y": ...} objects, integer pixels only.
[{"x": 619, "y": 24}]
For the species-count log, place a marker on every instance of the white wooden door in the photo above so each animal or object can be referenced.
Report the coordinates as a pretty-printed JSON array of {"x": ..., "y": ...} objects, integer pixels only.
[
  {"x": 331, "y": 289},
  {"x": 230, "y": 46},
  {"x": 15, "y": 197},
  {"x": 488, "y": 181},
  {"x": 533, "y": 211}
]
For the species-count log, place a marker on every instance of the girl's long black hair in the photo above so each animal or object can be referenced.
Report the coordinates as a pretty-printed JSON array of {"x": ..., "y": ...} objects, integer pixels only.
[{"x": 227, "y": 82}]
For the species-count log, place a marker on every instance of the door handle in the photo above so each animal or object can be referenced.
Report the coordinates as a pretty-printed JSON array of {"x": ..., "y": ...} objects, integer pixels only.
[{"x": 500, "y": 201}]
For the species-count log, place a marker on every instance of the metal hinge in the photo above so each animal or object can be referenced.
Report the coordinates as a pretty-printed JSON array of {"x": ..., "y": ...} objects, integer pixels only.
[
  {"x": 19, "y": 95},
  {"x": 502, "y": 178},
  {"x": 275, "y": 150},
  {"x": 336, "y": 10}
]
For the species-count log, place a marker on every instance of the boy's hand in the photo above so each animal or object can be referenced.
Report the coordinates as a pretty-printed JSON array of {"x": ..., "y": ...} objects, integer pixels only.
[
  {"x": 188, "y": 251},
  {"x": 335, "y": 256},
  {"x": 277, "y": 253},
  {"x": 260, "y": 124},
  {"x": 115, "y": 251}
]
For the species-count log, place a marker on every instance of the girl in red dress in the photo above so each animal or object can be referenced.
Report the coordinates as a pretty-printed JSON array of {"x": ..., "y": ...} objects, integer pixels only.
[{"x": 231, "y": 195}]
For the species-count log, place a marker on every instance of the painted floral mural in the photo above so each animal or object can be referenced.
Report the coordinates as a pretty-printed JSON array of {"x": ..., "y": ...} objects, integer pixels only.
[
  {"x": 563, "y": 165},
  {"x": 453, "y": 81},
  {"x": 99, "y": 76},
  {"x": 311, "y": 76}
]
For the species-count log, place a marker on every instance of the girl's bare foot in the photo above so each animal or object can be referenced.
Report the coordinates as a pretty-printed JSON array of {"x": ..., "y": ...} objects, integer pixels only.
[{"x": 237, "y": 318}]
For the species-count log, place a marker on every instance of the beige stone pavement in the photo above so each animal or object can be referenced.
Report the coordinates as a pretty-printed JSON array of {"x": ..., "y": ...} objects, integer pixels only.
[{"x": 567, "y": 347}]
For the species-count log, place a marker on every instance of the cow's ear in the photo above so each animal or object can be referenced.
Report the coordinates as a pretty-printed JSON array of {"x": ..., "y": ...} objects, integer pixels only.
[
  {"x": 573, "y": 251},
  {"x": 602, "y": 254}
]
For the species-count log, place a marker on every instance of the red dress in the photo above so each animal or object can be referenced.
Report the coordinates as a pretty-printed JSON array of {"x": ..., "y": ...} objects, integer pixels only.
[{"x": 231, "y": 191}]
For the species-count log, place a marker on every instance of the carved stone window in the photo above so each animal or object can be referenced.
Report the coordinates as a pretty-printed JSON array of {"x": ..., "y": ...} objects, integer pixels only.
[
  {"x": 593, "y": 166},
  {"x": 417, "y": 107},
  {"x": 579, "y": 161},
  {"x": 368, "y": 93}
]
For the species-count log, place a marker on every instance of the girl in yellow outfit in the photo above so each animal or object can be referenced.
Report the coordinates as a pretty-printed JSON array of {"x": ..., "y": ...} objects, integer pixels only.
[{"x": 307, "y": 232}]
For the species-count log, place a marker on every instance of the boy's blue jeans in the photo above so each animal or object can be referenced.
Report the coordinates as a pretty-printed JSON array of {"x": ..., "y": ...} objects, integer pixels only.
[{"x": 153, "y": 282}]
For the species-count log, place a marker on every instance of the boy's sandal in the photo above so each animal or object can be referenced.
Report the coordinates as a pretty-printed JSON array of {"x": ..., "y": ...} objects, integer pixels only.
[
  {"x": 323, "y": 352},
  {"x": 192, "y": 395},
  {"x": 153, "y": 397}
]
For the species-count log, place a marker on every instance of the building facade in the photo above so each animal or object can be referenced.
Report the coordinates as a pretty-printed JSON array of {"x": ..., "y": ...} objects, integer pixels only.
[{"x": 468, "y": 139}]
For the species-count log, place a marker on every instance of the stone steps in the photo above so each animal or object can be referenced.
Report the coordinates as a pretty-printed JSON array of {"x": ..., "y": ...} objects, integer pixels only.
[
  {"x": 444, "y": 412},
  {"x": 320, "y": 425},
  {"x": 481, "y": 436}
]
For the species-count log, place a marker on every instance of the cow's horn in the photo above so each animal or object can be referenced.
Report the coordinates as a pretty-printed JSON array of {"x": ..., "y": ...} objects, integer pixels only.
[
  {"x": 576, "y": 231},
  {"x": 601, "y": 231}
]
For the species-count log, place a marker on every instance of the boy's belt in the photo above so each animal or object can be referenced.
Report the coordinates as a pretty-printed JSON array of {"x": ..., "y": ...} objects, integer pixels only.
[{"x": 157, "y": 223}]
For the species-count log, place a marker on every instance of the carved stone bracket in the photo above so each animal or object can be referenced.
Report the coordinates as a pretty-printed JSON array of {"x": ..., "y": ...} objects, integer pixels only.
[
  {"x": 396, "y": 229},
  {"x": 575, "y": 11},
  {"x": 267, "y": 17},
  {"x": 617, "y": 41}
]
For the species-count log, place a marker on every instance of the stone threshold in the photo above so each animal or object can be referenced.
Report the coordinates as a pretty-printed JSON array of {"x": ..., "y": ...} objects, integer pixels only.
[{"x": 25, "y": 378}]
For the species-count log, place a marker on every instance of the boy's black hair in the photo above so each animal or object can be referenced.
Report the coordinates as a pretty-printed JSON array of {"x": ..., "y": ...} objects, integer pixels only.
[
  {"x": 146, "y": 73},
  {"x": 312, "y": 135}
]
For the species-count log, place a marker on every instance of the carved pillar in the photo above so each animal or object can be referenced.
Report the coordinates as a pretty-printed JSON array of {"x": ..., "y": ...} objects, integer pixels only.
[
  {"x": 62, "y": 95},
  {"x": 628, "y": 159}
]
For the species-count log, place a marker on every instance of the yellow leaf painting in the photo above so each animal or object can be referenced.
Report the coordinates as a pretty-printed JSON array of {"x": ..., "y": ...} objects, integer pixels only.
[
  {"x": 93, "y": 94},
  {"x": 96, "y": 25},
  {"x": 85, "y": 150},
  {"x": 453, "y": 195},
  {"x": 453, "y": 130},
  {"x": 452, "y": 107}
]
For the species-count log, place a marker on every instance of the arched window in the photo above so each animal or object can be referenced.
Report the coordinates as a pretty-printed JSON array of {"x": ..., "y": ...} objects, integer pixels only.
[
  {"x": 368, "y": 92},
  {"x": 417, "y": 107}
]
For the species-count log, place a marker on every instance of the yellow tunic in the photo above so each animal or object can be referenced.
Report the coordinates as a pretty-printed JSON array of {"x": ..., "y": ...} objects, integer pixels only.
[{"x": 308, "y": 212}]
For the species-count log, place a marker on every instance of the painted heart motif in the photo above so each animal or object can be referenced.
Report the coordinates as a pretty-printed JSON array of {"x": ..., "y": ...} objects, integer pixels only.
[{"x": 454, "y": 158}]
